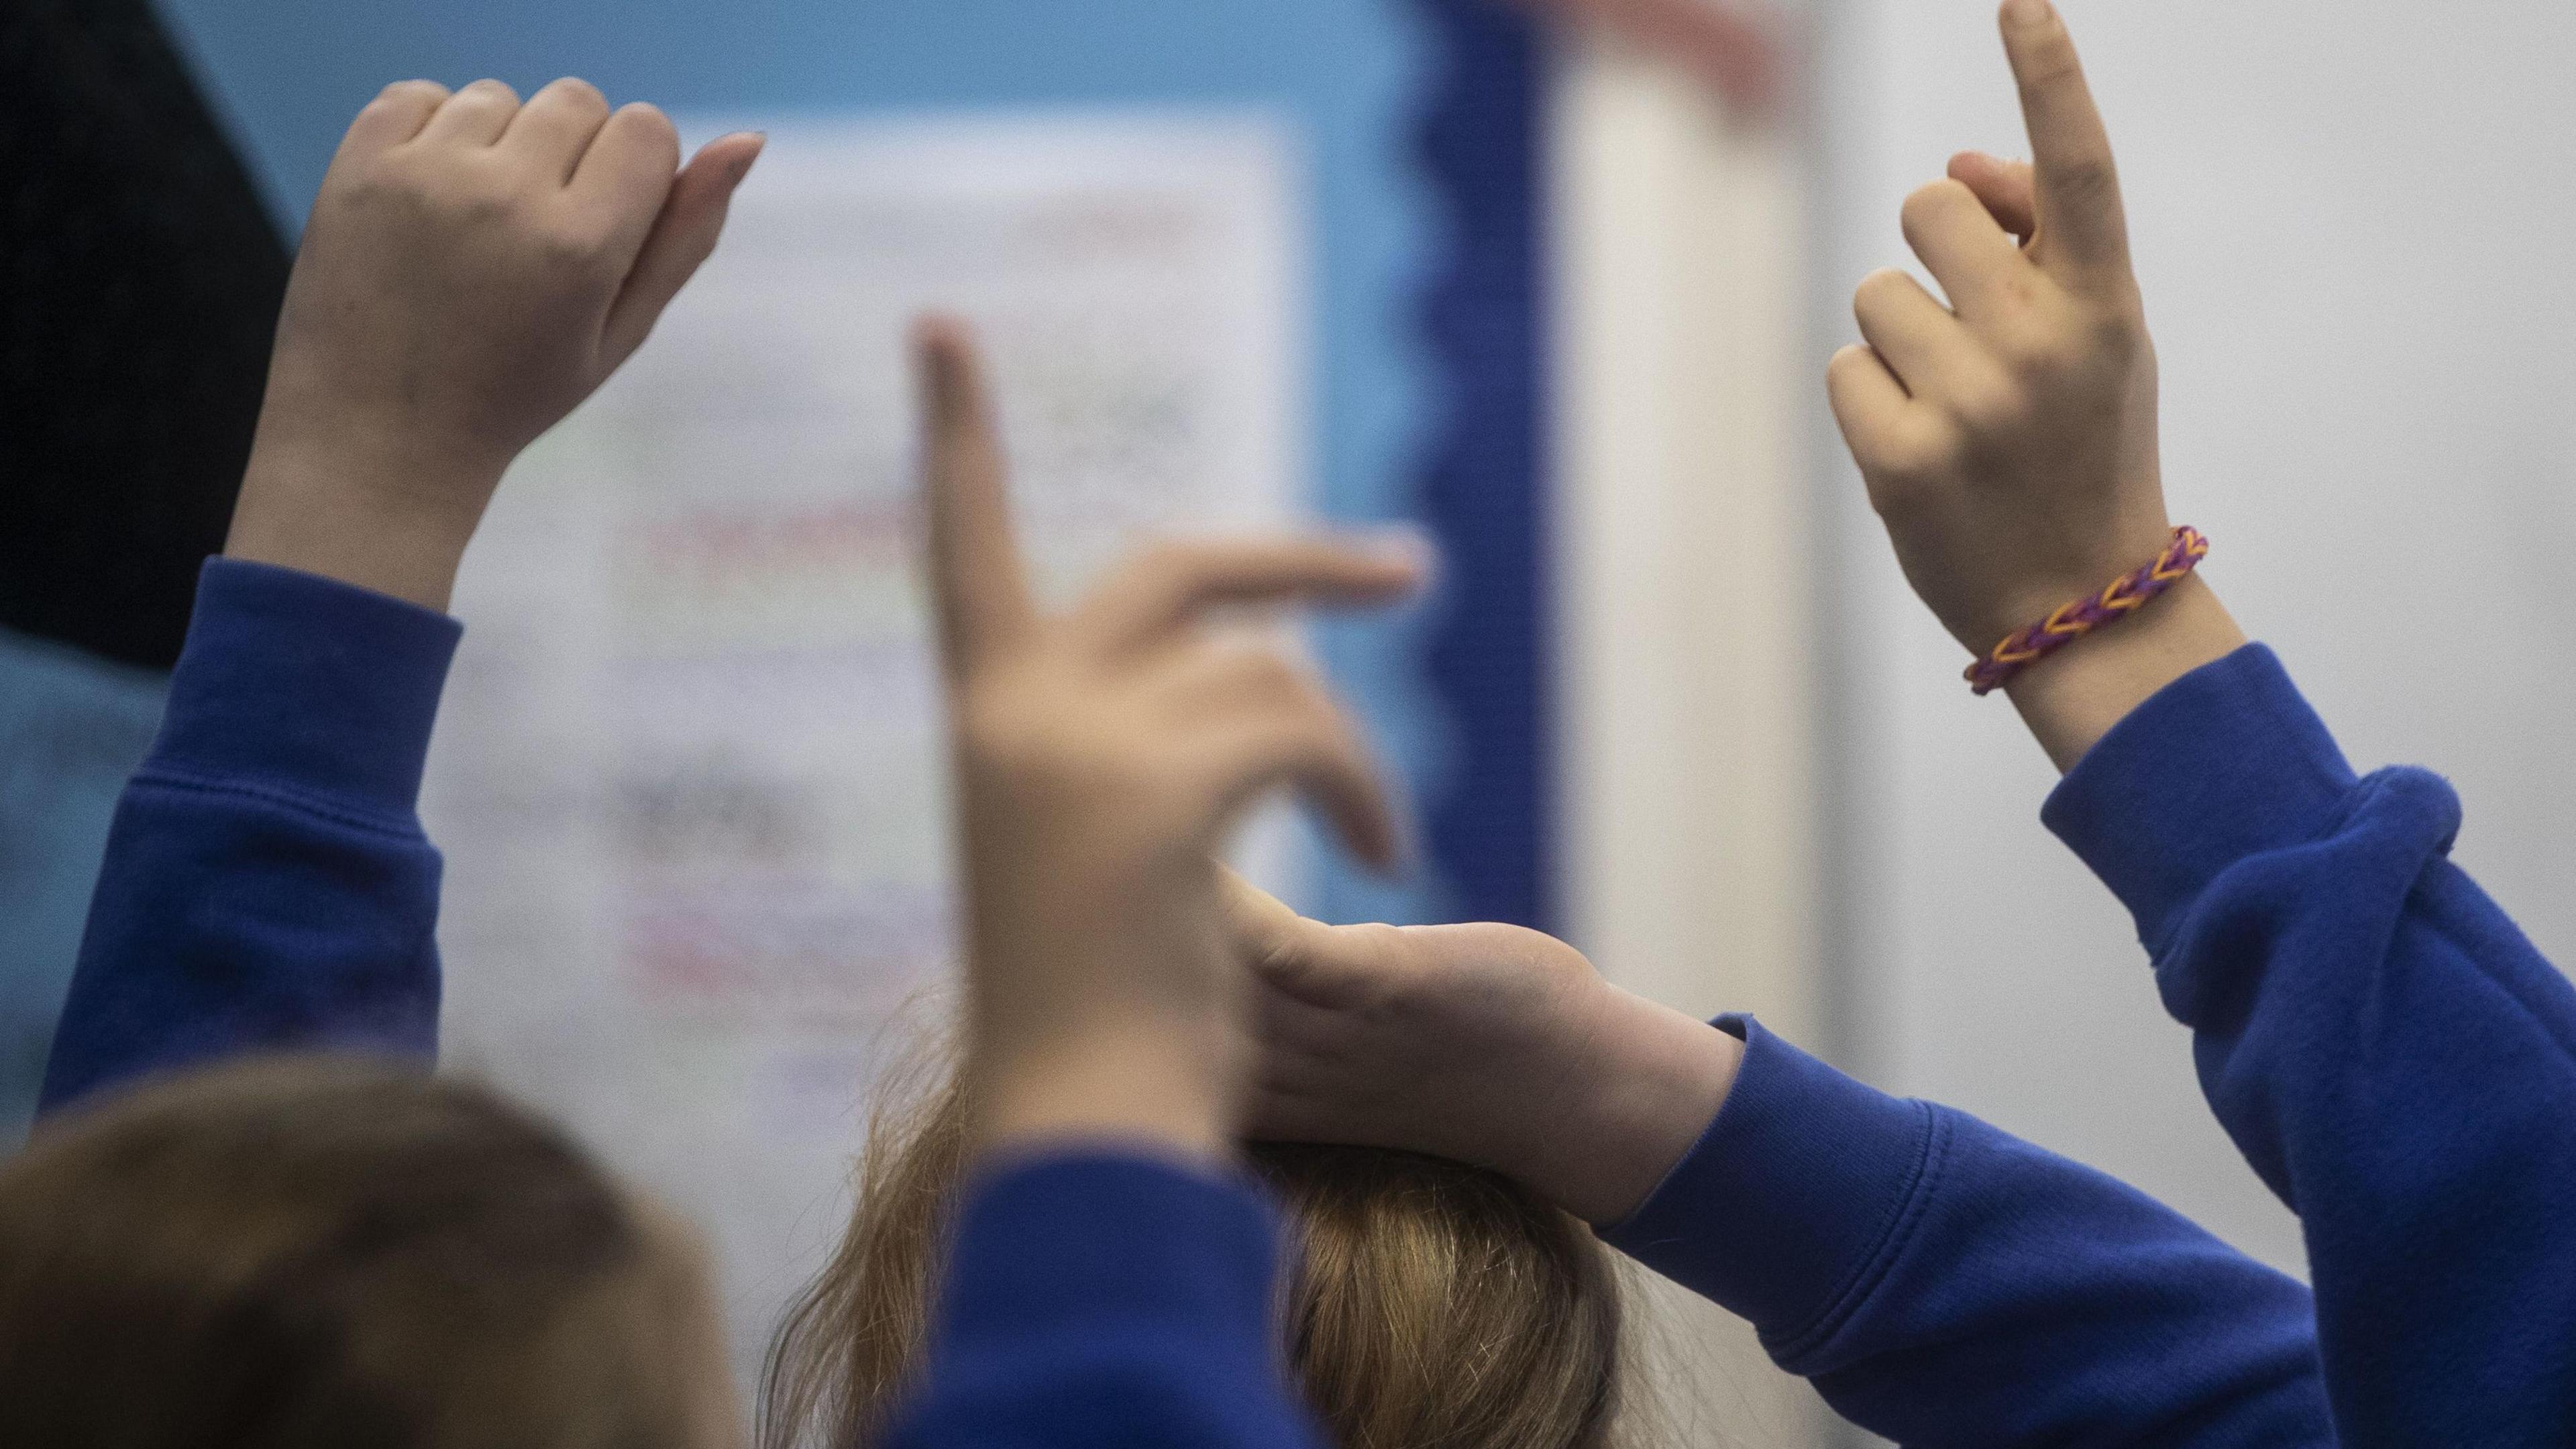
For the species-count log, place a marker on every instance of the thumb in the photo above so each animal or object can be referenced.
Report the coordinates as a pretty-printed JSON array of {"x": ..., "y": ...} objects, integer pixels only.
[
  {"x": 683, "y": 236},
  {"x": 1263, "y": 930},
  {"x": 1298, "y": 957}
]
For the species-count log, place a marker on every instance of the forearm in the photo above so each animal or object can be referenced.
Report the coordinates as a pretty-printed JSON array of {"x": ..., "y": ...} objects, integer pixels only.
[
  {"x": 369, "y": 511},
  {"x": 1161, "y": 1088},
  {"x": 1943, "y": 1283},
  {"x": 266, "y": 884},
  {"x": 2076, "y": 695},
  {"x": 1634, "y": 1095},
  {"x": 2393, "y": 1057}
]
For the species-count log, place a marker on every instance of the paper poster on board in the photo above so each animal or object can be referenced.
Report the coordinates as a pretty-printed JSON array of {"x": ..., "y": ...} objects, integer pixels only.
[{"x": 687, "y": 777}]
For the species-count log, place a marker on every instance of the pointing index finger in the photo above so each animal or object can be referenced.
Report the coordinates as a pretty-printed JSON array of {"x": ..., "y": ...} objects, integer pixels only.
[
  {"x": 2082, "y": 228},
  {"x": 977, "y": 584}
]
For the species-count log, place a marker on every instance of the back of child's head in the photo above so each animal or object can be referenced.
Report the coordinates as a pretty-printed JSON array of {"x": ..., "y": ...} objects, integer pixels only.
[
  {"x": 1430, "y": 1303},
  {"x": 309, "y": 1252}
]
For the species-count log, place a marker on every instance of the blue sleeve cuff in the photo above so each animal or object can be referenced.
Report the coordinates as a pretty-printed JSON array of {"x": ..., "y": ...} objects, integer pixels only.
[
  {"x": 2224, "y": 762},
  {"x": 1098, "y": 1241},
  {"x": 1815, "y": 1170},
  {"x": 307, "y": 685}
]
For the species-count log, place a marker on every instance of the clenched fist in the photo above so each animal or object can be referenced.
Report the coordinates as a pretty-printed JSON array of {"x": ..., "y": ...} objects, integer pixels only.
[{"x": 472, "y": 270}]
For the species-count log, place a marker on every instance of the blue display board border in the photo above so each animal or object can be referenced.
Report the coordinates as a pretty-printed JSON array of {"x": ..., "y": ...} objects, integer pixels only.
[{"x": 1489, "y": 659}]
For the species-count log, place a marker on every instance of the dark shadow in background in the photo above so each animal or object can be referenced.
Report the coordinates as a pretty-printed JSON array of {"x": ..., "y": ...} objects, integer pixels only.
[{"x": 139, "y": 286}]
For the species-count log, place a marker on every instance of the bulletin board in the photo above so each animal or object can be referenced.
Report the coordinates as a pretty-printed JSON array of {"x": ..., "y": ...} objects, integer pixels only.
[{"x": 1344, "y": 323}]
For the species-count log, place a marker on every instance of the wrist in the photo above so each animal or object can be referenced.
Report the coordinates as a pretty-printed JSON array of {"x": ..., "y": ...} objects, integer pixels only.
[
  {"x": 2073, "y": 698},
  {"x": 1648, "y": 1081},
  {"x": 383, "y": 515},
  {"x": 1168, "y": 1089}
]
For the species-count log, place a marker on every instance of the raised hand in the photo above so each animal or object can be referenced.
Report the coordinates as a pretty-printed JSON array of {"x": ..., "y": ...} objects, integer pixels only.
[
  {"x": 2008, "y": 439},
  {"x": 1100, "y": 758},
  {"x": 1486, "y": 1044},
  {"x": 472, "y": 270}
]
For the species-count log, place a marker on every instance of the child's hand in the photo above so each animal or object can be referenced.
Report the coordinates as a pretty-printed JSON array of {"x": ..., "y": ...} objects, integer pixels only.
[
  {"x": 1100, "y": 757},
  {"x": 472, "y": 270},
  {"x": 1486, "y": 1044},
  {"x": 2010, "y": 444},
  {"x": 2009, "y": 439}
]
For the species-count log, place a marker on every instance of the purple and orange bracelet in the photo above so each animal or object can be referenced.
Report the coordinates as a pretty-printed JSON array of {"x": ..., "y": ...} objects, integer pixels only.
[{"x": 2076, "y": 618}]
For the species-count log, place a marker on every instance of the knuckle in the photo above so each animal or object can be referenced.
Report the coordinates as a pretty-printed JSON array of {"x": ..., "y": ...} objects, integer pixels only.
[
  {"x": 1378, "y": 941},
  {"x": 1989, "y": 407},
  {"x": 1879, "y": 283},
  {"x": 1927, "y": 204},
  {"x": 2049, "y": 64},
  {"x": 1892, "y": 499},
  {"x": 2021, "y": 292},
  {"x": 2118, "y": 331},
  {"x": 2045, "y": 348},
  {"x": 568, "y": 245},
  {"x": 1911, "y": 461},
  {"x": 647, "y": 119},
  {"x": 473, "y": 197},
  {"x": 2086, "y": 181},
  {"x": 1849, "y": 377},
  {"x": 574, "y": 88},
  {"x": 1880, "y": 290},
  {"x": 1893, "y": 482},
  {"x": 390, "y": 192},
  {"x": 1910, "y": 478}
]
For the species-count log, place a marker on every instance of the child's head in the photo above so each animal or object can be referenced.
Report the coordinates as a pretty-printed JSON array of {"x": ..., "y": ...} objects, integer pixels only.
[
  {"x": 307, "y": 1252},
  {"x": 1431, "y": 1303}
]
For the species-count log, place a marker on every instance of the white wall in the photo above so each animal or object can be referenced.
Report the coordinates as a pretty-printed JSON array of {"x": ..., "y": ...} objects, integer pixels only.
[
  {"x": 2356, "y": 226},
  {"x": 1687, "y": 772}
]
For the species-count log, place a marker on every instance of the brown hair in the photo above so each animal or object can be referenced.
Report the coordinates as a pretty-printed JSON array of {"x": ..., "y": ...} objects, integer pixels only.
[
  {"x": 303, "y": 1253},
  {"x": 1432, "y": 1306}
]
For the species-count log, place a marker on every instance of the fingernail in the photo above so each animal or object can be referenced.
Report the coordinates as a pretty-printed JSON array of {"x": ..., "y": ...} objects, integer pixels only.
[{"x": 2027, "y": 12}]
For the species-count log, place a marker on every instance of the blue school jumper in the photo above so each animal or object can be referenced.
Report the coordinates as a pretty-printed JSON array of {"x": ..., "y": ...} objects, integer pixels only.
[{"x": 2394, "y": 1059}]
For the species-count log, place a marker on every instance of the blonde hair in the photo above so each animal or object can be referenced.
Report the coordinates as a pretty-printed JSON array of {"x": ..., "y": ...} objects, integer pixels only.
[
  {"x": 294, "y": 1254},
  {"x": 1431, "y": 1305}
]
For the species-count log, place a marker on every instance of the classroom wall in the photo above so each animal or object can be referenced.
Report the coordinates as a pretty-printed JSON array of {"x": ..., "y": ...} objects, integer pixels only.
[
  {"x": 1683, "y": 533},
  {"x": 2352, "y": 222}
]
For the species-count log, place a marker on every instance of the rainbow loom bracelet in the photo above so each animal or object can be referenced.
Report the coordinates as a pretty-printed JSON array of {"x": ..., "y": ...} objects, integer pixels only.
[{"x": 2076, "y": 618}]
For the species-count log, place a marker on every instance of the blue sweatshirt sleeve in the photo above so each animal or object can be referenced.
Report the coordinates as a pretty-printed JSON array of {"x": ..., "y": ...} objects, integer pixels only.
[
  {"x": 1943, "y": 1283},
  {"x": 2393, "y": 1057},
  {"x": 1101, "y": 1300},
  {"x": 266, "y": 883}
]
